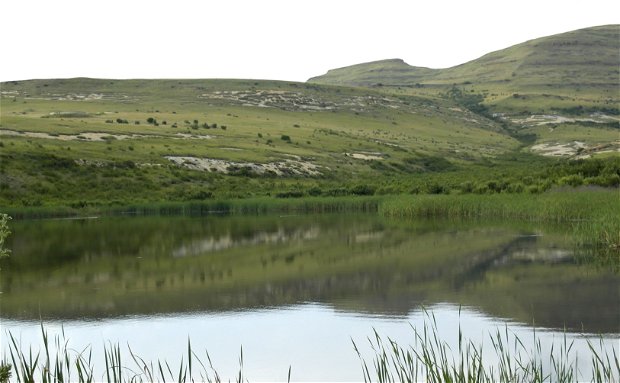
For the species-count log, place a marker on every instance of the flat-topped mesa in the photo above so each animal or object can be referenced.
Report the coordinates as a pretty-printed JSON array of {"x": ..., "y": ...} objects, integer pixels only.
[{"x": 391, "y": 72}]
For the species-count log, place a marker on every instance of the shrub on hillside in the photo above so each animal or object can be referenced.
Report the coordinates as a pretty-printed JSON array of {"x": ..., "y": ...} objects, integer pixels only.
[
  {"x": 290, "y": 194},
  {"x": 436, "y": 188},
  {"x": 608, "y": 180},
  {"x": 363, "y": 189},
  {"x": 336, "y": 192},
  {"x": 315, "y": 191},
  {"x": 572, "y": 180}
]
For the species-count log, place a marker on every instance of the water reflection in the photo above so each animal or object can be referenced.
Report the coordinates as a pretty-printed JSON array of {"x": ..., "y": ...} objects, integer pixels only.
[{"x": 362, "y": 264}]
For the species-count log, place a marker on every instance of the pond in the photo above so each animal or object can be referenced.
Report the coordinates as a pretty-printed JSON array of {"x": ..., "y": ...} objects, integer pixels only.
[{"x": 295, "y": 290}]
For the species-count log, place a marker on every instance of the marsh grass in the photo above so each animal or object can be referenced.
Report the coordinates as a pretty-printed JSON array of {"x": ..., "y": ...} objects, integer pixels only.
[
  {"x": 549, "y": 207},
  {"x": 57, "y": 362},
  {"x": 431, "y": 359},
  {"x": 599, "y": 242},
  {"x": 593, "y": 216}
]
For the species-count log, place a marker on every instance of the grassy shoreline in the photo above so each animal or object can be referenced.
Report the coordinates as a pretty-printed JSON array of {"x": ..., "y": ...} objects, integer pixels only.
[
  {"x": 592, "y": 214},
  {"x": 260, "y": 205},
  {"x": 554, "y": 206}
]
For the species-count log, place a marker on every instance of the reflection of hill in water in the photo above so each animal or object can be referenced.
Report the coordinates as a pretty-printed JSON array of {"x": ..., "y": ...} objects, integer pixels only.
[
  {"x": 213, "y": 244},
  {"x": 520, "y": 281},
  {"x": 358, "y": 264}
]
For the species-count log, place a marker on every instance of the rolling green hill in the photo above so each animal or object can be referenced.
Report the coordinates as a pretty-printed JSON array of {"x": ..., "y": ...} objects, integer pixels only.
[
  {"x": 562, "y": 91},
  {"x": 577, "y": 71},
  {"x": 81, "y": 142}
]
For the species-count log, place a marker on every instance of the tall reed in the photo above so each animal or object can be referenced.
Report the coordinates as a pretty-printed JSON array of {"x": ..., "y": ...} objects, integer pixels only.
[
  {"x": 431, "y": 359},
  {"x": 593, "y": 216},
  {"x": 57, "y": 362}
]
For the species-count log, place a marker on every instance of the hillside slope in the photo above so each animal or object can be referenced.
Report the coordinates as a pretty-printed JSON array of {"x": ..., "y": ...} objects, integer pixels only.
[
  {"x": 562, "y": 91},
  {"x": 586, "y": 57},
  {"x": 580, "y": 64},
  {"x": 182, "y": 139}
]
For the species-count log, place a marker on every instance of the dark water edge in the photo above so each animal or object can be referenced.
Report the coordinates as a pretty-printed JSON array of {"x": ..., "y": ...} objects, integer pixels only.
[{"x": 258, "y": 205}]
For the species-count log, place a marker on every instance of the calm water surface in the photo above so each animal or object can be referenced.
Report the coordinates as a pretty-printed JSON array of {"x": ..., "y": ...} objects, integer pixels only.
[{"x": 294, "y": 290}]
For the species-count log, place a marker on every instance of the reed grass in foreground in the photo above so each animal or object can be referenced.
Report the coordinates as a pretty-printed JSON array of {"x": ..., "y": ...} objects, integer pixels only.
[
  {"x": 429, "y": 359},
  {"x": 57, "y": 362}
]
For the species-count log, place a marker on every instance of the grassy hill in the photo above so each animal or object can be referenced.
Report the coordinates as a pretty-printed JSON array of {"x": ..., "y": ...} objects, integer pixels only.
[
  {"x": 568, "y": 70},
  {"x": 81, "y": 142},
  {"x": 560, "y": 90}
]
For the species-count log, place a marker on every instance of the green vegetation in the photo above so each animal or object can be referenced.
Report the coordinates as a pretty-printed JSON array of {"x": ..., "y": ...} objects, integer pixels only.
[
  {"x": 537, "y": 75},
  {"x": 593, "y": 215},
  {"x": 358, "y": 140},
  {"x": 431, "y": 359},
  {"x": 557, "y": 206},
  {"x": 70, "y": 365},
  {"x": 306, "y": 137},
  {"x": 4, "y": 233},
  {"x": 553, "y": 90}
]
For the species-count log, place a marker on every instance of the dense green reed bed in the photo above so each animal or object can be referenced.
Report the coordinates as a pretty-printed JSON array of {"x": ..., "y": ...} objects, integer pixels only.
[
  {"x": 593, "y": 215},
  {"x": 560, "y": 206}
]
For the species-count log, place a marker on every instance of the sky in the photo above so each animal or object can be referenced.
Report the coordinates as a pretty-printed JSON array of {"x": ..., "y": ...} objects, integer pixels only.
[{"x": 268, "y": 39}]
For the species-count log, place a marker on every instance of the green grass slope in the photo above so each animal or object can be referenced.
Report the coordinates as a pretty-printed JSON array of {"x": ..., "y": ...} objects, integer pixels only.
[
  {"x": 151, "y": 140},
  {"x": 577, "y": 70},
  {"x": 91, "y": 142}
]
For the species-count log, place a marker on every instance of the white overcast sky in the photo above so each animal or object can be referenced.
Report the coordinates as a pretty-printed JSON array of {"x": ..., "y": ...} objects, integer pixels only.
[{"x": 268, "y": 39}]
